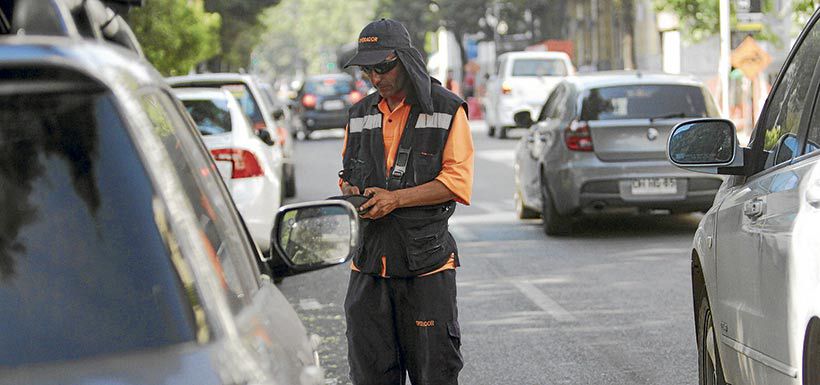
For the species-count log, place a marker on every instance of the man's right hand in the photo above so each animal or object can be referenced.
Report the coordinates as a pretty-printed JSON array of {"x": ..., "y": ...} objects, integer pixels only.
[{"x": 349, "y": 189}]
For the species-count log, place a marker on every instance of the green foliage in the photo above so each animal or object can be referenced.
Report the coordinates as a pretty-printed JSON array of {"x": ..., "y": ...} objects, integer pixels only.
[
  {"x": 416, "y": 16},
  {"x": 306, "y": 34},
  {"x": 241, "y": 30},
  {"x": 699, "y": 18},
  {"x": 175, "y": 34},
  {"x": 803, "y": 9}
]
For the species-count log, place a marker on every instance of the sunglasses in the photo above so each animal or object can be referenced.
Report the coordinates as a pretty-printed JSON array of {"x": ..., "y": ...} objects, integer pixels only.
[{"x": 381, "y": 68}]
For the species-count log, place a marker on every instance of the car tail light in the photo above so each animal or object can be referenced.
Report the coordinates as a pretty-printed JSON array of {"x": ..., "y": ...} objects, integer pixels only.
[
  {"x": 245, "y": 163},
  {"x": 506, "y": 89},
  {"x": 354, "y": 96},
  {"x": 309, "y": 100},
  {"x": 578, "y": 137}
]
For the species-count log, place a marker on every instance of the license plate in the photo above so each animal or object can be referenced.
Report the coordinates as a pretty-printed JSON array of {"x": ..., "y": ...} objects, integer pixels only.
[
  {"x": 654, "y": 186},
  {"x": 333, "y": 105}
]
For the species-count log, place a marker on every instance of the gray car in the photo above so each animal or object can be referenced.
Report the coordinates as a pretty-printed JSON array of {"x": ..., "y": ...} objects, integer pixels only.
[
  {"x": 598, "y": 146},
  {"x": 123, "y": 259},
  {"x": 756, "y": 252}
]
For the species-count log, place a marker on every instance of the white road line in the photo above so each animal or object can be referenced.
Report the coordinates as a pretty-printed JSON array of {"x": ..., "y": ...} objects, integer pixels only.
[{"x": 543, "y": 301}]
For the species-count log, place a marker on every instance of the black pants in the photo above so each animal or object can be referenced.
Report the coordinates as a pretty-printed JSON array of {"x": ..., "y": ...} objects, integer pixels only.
[{"x": 403, "y": 326}]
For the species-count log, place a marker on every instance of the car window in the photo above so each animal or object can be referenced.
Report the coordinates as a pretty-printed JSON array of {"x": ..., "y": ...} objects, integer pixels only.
[
  {"x": 249, "y": 105},
  {"x": 549, "y": 106},
  {"x": 643, "y": 101},
  {"x": 328, "y": 86},
  {"x": 560, "y": 108},
  {"x": 84, "y": 270},
  {"x": 211, "y": 116},
  {"x": 219, "y": 234},
  {"x": 784, "y": 111},
  {"x": 539, "y": 67},
  {"x": 813, "y": 140}
]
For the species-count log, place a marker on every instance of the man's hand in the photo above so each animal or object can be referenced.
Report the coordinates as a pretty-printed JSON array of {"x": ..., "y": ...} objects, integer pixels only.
[
  {"x": 349, "y": 189},
  {"x": 381, "y": 202}
]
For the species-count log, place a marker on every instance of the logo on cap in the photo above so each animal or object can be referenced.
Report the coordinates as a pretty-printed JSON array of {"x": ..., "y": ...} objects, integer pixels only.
[{"x": 369, "y": 39}]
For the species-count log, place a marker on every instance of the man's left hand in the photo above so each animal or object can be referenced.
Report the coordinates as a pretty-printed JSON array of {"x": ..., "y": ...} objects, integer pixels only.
[{"x": 381, "y": 202}]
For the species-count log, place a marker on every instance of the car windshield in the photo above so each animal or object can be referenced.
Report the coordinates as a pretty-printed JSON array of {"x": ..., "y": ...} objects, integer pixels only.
[
  {"x": 539, "y": 67},
  {"x": 642, "y": 101},
  {"x": 212, "y": 116},
  {"x": 249, "y": 105},
  {"x": 84, "y": 270},
  {"x": 328, "y": 86}
]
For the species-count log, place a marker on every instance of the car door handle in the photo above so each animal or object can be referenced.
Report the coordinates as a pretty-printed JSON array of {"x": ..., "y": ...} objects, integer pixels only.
[{"x": 754, "y": 208}]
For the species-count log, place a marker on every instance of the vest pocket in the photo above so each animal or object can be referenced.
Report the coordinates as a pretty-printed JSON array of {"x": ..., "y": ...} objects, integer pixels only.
[
  {"x": 426, "y": 167},
  {"x": 424, "y": 249},
  {"x": 355, "y": 174}
]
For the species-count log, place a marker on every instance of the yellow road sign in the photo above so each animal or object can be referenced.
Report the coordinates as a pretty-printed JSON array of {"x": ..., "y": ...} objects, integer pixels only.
[{"x": 750, "y": 57}]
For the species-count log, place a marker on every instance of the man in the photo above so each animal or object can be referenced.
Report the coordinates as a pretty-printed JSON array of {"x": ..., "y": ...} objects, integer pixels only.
[{"x": 409, "y": 148}]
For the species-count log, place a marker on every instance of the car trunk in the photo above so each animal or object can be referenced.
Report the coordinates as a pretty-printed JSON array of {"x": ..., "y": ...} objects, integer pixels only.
[{"x": 630, "y": 140}]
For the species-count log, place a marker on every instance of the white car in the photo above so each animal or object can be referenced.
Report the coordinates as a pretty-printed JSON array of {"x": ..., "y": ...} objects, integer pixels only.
[
  {"x": 756, "y": 252},
  {"x": 245, "y": 88},
  {"x": 251, "y": 169},
  {"x": 522, "y": 81}
]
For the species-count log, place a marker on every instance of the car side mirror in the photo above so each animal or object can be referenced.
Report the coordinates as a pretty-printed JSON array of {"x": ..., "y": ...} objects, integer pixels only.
[
  {"x": 523, "y": 119},
  {"x": 315, "y": 235},
  {"x": 264, "y": 135},
  {"x": 278, "y": 114},
  {"x": 706, "y": 145}
]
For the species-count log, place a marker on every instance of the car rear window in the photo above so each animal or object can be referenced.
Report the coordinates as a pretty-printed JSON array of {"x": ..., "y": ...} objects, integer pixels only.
[
  {"x": 328, "y": 86},
  {"x": 84, "y": 270},
  {"x": 645, "y": 101},
  {"x": 249, "y": 105},
  {"x": 211, "y": 116},
  {"x": 539, "y": 67}
]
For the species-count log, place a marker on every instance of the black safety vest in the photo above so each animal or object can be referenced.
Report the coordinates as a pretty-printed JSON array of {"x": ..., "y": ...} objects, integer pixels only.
[{"x": 415, "y": 240}]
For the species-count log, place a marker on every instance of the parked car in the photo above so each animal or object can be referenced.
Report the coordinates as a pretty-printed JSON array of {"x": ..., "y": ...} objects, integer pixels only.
[
  {"x": 323, "y": 101},
  {"x": 521, "y": 82},
  {"x": 598, "y": 146},
  {"x": 246, "y": 91},
  {"x": 122, "y": 256},
  {"x": 756, "y": 252},
  {"x": 249, "y": 168}
]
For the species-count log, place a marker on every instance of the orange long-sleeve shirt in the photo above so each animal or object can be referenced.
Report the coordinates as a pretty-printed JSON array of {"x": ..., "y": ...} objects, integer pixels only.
[{"x": 457, "y": 157}]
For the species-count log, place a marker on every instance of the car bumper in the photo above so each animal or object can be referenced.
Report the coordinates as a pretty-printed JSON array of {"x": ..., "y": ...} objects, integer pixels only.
[
  {"x": 257, "y": 200},
  {"x": 320, "y": 120},
  {"x": 588, "y": 185}
]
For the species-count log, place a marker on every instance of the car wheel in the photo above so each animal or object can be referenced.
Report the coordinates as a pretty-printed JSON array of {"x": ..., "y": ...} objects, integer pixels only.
[
  {"x": 710, "y": 371},
  {"x": 490, "y": 131},
  {"x": 522, "y": 211},
  {"x": 811, "y": 354},
  {"x": 502, "y": 132},
  {"x": 553, "y": 222}
]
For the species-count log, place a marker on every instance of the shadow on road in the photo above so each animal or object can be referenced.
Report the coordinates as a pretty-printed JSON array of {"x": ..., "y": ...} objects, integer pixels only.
[{"x": 612, "y": 226}]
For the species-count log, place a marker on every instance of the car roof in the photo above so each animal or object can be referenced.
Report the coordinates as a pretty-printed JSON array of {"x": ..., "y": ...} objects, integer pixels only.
[
  {"x": 201, "y": 93},
  {"x": 222, "y": 77},
  {"x": 108, "y": 64},
  {"x": 620, "y": 78},
  {"x": 536, "y": 54}
]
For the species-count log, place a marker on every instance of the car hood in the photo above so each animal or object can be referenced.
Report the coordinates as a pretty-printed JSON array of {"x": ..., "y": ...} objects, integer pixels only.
[{"x": 180, "y": 364}]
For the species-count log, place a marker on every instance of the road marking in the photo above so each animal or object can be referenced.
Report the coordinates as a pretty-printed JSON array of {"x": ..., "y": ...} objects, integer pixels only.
[
  {"x": 543, "y": 301},
  {"x": 310, "y": 304}
]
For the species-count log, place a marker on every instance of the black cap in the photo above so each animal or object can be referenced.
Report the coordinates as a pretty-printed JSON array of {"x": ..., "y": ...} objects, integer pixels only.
[{"x": 377, "y": 40}]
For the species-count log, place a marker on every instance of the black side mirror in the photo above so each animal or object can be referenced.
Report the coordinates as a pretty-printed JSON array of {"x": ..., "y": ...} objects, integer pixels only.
[
  {"x": 278, "y": 114},
  {"x": 264, "y": 135},
  {"x": 523, "y": 119}
]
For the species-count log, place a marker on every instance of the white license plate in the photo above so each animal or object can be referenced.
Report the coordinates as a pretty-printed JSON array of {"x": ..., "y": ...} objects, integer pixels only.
[
  {"x": 225, "y": 169},
  {"x": 332, "y": 105},
  {"x": 654, "y": 186}
]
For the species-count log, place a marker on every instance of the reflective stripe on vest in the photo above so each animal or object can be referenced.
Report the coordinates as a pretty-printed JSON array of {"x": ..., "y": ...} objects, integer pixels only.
[
  {"x": 436, "y": 120},
  {"x": 367, "y": 122}
]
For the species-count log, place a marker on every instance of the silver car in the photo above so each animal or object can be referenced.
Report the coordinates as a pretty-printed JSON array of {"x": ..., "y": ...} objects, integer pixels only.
[
  {"x": 756, "y": 253},
  {"x": 598, "y": 146}
]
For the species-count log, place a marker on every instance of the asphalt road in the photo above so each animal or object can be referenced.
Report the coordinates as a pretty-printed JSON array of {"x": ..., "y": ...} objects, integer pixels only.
[{"x": 610, "y": 304}]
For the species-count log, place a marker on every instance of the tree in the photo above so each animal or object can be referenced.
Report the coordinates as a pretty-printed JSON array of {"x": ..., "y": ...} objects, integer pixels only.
[
  {"x": 462, "y": 17},
  {"x": 416, "y": 16},
  {"x": 302, "y": 36},
  {"x": 241, "y": 29},
  {"x": 175, "y": 34}
]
